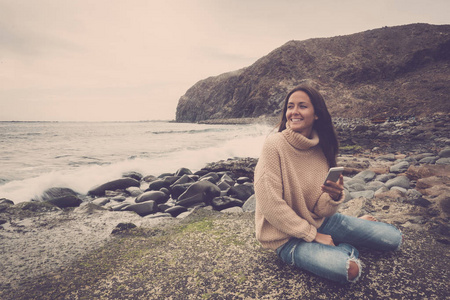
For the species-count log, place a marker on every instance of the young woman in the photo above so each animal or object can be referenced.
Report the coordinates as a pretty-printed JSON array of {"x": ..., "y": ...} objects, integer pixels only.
[{"x": 296, "y": 213}]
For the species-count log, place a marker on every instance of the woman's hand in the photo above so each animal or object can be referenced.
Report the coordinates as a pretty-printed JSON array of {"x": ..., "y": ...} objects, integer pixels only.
[
  {"x": 324, "y": 239},
  {"x": 334, "y": 189}
]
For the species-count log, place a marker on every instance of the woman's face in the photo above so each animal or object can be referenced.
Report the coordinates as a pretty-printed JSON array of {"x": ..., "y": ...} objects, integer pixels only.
[{"x": 300, "y": 113}]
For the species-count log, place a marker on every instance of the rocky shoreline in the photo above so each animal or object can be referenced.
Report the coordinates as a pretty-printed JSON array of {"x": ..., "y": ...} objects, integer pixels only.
[{"x": 42, "y": 241}]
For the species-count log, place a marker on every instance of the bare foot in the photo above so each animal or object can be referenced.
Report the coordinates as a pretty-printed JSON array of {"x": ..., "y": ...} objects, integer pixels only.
[{"x": 369, "y": 218}]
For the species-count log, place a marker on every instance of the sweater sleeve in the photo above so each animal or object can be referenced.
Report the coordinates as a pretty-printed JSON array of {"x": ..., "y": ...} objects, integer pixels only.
[
  {"x": 269, "y": 198},
  {"x": 326, "y": 206}
]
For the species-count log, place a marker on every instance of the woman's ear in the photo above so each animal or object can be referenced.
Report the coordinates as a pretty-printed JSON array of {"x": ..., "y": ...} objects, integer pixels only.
[{"x": 316, "y": 117}]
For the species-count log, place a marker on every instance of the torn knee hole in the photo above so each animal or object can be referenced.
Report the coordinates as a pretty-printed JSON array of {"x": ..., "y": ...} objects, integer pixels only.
[{"x": 354, "y": 270}]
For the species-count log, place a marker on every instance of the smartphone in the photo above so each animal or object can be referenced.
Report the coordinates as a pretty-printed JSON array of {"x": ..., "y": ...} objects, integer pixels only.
[{"x": 333, "y": 174}]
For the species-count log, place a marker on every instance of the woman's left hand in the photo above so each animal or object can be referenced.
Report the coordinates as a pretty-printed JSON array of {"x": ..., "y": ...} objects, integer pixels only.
[{"x": 334, "y": 189}]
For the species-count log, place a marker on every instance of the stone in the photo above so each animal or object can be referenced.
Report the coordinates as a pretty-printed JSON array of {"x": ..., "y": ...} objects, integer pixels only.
[
  {"x": 385, "y": 177},
  {"x": 374, "y": 185},
  {"x": 119, "y": 206},
  {"x": 429, "y": 160},
  {"x": 401, "y": 181},
  {"x": 444, "y": 153},
  {"x": 6, "y": 201},
  {"x": 118, "y": 198},
  {"x": 118, "y": 184},
  {"x": 211, "y": 176},
  {"x": 386, "y": 157},
  {"x": 149, "y": 178},
  {"x": 366, "y": 175},
  {"x": 356, "y": 187},
  {"x": 220, "y": 203},
  {"x": 100, "y": 201},
  {"x": 179, "y": 189},
  {"x": 183, "y": 171},
  {"x": 183, "y": 180},
  {"x": 443, "y": 161},
  {"x": 143, "y": 209},
  {"x": 199, "y": 192},
  {"x": 158, "y": 215},
  {"x": 223, "y": 185},
  {"x": 232, "y": 210},
  {"x": 250, "y": 204},
  {"x": 61, "y": 197},
  {"x": 241, "y": 191},
  {"x": 242, "y": 180},
  {"x": 134, "y": 191},
  {"x": 226, "y": 178},
  {"x": 400, "y": 189},
  {"x": 157, "y": 196},
  {"x": 176, "y": 210},
  {"x": 135, "y": 175},
  {"x": 381, "y": 190},
  {"x": 399, "y": 167},
  {"x": 157, "y": 184}
]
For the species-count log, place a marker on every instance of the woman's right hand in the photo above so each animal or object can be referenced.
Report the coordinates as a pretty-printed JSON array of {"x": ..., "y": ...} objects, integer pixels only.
[{"x": 324, "y": 239}]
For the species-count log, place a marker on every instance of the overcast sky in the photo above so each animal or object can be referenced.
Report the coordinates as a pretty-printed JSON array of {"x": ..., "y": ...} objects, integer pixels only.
[{"x": 103, "y": 60}]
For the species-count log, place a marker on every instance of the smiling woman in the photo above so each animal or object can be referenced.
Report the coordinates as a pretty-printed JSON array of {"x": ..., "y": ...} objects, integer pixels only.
[{"x": 296, "y": 212}]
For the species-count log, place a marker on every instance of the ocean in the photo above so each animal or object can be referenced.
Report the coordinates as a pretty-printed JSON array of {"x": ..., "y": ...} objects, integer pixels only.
[{"x": 35, "y": 156}]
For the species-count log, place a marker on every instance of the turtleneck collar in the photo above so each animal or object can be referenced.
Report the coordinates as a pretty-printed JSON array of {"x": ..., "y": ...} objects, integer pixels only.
[{"x": 298, "y": 140}]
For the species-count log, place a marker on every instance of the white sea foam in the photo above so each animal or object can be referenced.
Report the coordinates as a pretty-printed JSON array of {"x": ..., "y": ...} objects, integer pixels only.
[{"x": 83, "y": 164}]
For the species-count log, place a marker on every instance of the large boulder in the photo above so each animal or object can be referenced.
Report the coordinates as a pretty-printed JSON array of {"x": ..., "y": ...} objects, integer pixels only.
[
  {"x": 118, "y": 184},
  {"x": 200, "y": 192},
  {"x": 61, "y": 197},
  {"x": 157, "y": 196},
  {"x": 143, "y": 209}
]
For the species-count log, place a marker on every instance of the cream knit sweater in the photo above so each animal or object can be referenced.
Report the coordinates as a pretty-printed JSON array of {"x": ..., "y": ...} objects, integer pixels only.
[{"x": 289, "y": 199}]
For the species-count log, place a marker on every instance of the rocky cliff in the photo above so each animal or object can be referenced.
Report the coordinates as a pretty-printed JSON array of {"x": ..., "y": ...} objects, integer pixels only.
[{"x": 391, "y": 71}]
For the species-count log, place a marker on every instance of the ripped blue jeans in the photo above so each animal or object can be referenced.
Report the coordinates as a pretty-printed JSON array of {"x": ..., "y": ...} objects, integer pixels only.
[{"x": 332, "y": 262}]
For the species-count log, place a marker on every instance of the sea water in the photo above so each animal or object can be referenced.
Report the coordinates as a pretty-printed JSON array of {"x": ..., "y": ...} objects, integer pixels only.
[{"x": 35, "y": 156}]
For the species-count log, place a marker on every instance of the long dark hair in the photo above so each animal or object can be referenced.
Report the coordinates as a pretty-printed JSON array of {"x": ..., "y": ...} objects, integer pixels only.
[{"x": 323, "y": 125}]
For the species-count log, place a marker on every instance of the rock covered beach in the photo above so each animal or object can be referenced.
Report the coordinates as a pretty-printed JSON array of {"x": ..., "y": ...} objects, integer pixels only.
[{"x": 190, "y": 234}]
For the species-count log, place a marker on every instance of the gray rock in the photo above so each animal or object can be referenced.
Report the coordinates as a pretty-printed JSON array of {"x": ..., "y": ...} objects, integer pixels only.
[
  {"x": 157, "y": 196},
  {"x": 356, "y": 187},
  {"x": 250, "y": 204},
  {"x": 221, "y": 203},
  {"x": 134, "y": 191},
  {"x": 100, "y": 201},
  {"x": 386, "y": 157},
  {"x": 429, "y": 160},
  {"x": 200, "y": 192},
  {"x": 118, "y": 184},
  {"x": 445, "y": 153},
  {"x": 176, "y": 210},
  {"x": 443, "y": 161},
  {"x": 143, "y": 209},
  {"x": 232, "y": 210},
  {"x": 366, "y": 175},
  {"x": 385, "y": 177},
  {"x": 61, "y": 197},
  {"x": 241, "y": 191},
  {"x": 159, "y": 215},
  {"x": 381, "y": 190},
  {"x": 374, "y": 185},
  {"x": 400, "y": 189},
  {"x": 399, "y": 167},
  {"x": 401, "y": 181}
]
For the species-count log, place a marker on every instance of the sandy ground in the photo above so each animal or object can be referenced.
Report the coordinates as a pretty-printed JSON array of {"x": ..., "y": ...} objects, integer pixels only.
[{"x": 36, "y": 245}]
